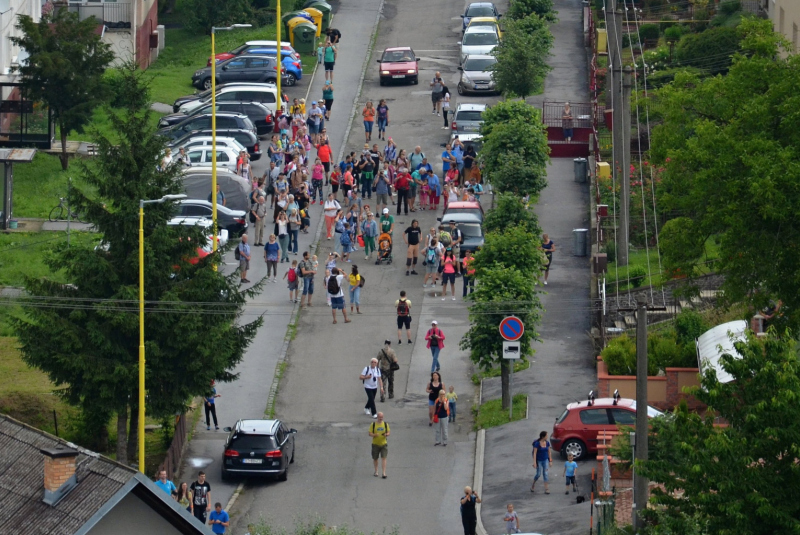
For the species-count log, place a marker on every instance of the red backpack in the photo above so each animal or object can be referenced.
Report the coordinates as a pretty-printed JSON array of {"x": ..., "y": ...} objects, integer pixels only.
[{"x": 292, "y": 275}]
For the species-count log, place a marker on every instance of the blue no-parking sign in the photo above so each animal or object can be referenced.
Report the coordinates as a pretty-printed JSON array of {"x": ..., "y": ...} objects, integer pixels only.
[{"x": 511, "y": 328}]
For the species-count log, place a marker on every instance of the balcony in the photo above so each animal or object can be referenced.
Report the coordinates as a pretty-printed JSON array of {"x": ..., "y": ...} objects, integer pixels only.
[{"x": 111, "y": 14}]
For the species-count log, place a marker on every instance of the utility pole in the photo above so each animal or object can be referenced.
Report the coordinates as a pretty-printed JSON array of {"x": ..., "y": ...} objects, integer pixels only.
[
  {"x": 619, "y": 109},
  {"x": 640, "y": 483},
  {"x": 613, "y": 51},
  {"x": 625, "y": 168}
]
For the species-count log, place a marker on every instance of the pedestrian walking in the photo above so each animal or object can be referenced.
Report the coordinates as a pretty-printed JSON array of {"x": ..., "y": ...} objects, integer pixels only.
[
  {"x": 387, "y": 360},
  {"x": 369, "y": 230},
  {"x": 368, "y": 113},
  {"x": 469, "y": 516},
  {"x": 295, "y": 222},
  {"x": 201, "y": 497},
  {"x": 308, "y": 272},
  {"x": 219, "y": 520},
  {"x": 549, "y": 248},
  {"x": 431, "y": 261},
  {"x": 331, "y": 208},
  {"x": 244, "y": 258},
  {"x": 282, "y": 229},
  {"x": 184, "y": 497},
  {"x": 165, "y": 484},
  {"x": 445, "y": 107},
  {"x": 258, "y": 214},
  {"x": 379, "y": 431},
  {"x": 435, "y": 338},
  {"x": 371, "y": 378},
  {"x": 452, "y": 399},
  {"x": 436, "y": 93},
  {"x": 566, "y": 122},
  {"x": 468, "y": 272},
  {"x": 542, "y": 459},
  {"x": 211, "y": 406},
  {"x": 293, "y": 279},
  {"x": 403, "y": 307},
  {"x": 383, "y": 118},
  {"x": 367, "y": 168},
  {"x": 346, "y": 239},
  {"x": 336, "y": 293},
  {"x": 402, "y": 184},
  {"x": 449, "y": 266},
  {"x": 412, "y": 238},
  {"x": 441, "y": 417},
  {"x": 434, "y": 387},
  {"x": 356, "y": 283},
  {"x": 570, "y": 469},
  {"x": 320, "y": 54},
  {"x": 271, "y": 252},
  {"x": 327, "y": 96},
  {"x": 382, "y": 185},
  {"x": 511, "y": 519},
  {"x": 329, "y": 60}
]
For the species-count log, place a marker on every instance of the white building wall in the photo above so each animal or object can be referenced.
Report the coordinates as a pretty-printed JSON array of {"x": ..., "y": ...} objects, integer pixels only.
[{"x": 8, "y": 51}]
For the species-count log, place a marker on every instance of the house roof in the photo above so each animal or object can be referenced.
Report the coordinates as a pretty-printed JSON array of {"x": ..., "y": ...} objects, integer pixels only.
[{"x": 101, "y": 484}]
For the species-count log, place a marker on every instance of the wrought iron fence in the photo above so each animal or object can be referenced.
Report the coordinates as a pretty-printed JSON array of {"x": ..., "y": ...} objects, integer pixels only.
[{"x": 172, "y": 461}]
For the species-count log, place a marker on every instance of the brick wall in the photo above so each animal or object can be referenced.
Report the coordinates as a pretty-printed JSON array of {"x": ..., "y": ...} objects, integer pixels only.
[
  {"x": 663, "y": 392},
  {"x": 58, "y": 471}
]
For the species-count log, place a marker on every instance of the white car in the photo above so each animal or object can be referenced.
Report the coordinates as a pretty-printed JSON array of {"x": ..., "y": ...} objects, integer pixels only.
[
  {"x": 479, "y": 40},
  {"x": 265, "y": 93},
  {"x": 200, "y": 156},
  {"x": 222, "y": 237},
  {"x": 200, "y": 141}
]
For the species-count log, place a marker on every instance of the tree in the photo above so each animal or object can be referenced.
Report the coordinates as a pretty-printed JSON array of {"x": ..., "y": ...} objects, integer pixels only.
[
  {"x": 508, "y": 110},
  {"x": 729, "y": 149},
  {"x": 522, "y": 57},
  {"x": 519, "y": 9},
  {"x": 710, "y": 50},
  {"x": 89, "y": 343},
  {"x": 201, "y": 15},
  {"x": 738, "y": 479},
  {"x": 510, "y": 211},
  {"x": 66, "y": 62},
  {"x": 515, "y": 155}
]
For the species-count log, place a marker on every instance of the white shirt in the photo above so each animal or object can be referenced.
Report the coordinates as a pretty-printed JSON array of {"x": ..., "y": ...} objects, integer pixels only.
[
  {"x": 331, "y": 207},
  {"x": 339, "y": 281},
  {"x": 446, "y": 101},
  {"x": 372, "y": 382}
]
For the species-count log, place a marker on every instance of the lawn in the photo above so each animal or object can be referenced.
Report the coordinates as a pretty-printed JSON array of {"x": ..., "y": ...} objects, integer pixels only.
[
  {"x": 519, "y": 365},
  {"x": 23, "y": 254},
  {"x": 39, "y": 184},
  {"x": 101, "y": 123},
  {"x": 492, "y": 414}
]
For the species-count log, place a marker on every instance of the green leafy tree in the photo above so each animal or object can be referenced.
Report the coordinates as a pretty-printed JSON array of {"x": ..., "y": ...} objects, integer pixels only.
[
  {"x": 738, "y": 479},
  {"x": 508, "y": 110},
  {"x": 711, "y": 50},
  {"x": 515, "y": 156},
  {"x": 519, "y": 9},
  {"x": 202, "y": 15},
  {"x": 89, "y": 343},
  {"x": 65, "y": 68},
  {"x": 522, "y": 57},
  {"x": 729, "y": 148},
  {"x": 510, "y": 211},
  {"x": 512, "y": 248}
]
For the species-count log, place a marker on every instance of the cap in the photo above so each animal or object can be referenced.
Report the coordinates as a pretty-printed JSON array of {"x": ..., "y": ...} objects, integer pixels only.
[
  {"x": 390, "y": 139},
  {"x": 434, "y": 322},
  {"x": 452, "y": 222},
  {"x": 313, "y": 102},
  {"x": 327, "y": 82},
  {"x": 385, "y": 210}
]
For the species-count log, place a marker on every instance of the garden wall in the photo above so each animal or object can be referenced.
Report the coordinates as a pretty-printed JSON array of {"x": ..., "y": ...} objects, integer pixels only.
[{"x": 663, "y": 392}]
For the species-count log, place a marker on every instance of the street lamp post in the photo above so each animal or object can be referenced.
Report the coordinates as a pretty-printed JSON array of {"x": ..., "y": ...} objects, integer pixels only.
[
  {"x": 214, "y": 30},
  {"x": 142, "y": 202},
  {"x": 278, "y": 50}
]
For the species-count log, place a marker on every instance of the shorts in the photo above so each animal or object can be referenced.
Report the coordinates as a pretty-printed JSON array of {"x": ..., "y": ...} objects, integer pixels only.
[
  {"x": 404, "y": 321},
  {"x": 570, "y": 480},
  {"x": 313, "y": 128},
  {"x": 244, "y": 264},
  {"x": 379, "y": 451},
  {"x": 382, "y": 198},
  {"x": 448, "y": 277},
  {"x": 326, "y": 166},
  {"x": 436, "y": 97},
  {"x": 456, "y": 251},
  {"x": 308, "y": 286},
  {"x": 292, "y": 285},
  {"x": 368, "y": 126},
  {"x": 549, "y": 261},
  {"x": 431, "y": 268},
  {"x": 328, "y": 103},
  {"x": 431, "y": 402},
  {"x": 337, "y": 303},
  {"x": 329, "y": 65}
]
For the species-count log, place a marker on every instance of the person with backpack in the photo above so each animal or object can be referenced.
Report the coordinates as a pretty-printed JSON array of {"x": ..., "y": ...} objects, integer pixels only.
[
  {"x": 433, "y": 255},
  {"x": 371, "y": 378},
  {"x": 292, "y": 278},
  {"x": 387, "y": 360},
  {"x": 457, "y": 237},
  {"x": 435, "y": 338},
  {"x": 403, "y": 307},
  {"x": 336, "y": 294},
  {"x": 379, "y": 430}
]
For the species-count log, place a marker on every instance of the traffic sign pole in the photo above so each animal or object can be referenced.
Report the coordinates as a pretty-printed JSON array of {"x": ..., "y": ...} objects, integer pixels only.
[{"x": 511, "y": 391}]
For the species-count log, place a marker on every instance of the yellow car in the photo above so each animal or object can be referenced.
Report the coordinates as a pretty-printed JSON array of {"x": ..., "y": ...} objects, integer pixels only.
[{"x": 486, "y": 21}]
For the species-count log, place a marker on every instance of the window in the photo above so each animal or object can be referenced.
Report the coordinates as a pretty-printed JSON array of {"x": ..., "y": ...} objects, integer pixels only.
[
  {"x": 196, "y": 156},
  {"x": 623, "y": 417},
  {"x": 222, "y": 156},
  {"x": 594, "y": 417},
  {"x": 236, "y": 64},
  {"x": 468, "y": 116},
  {"x": 253, "y": 111},
  {"x": 480, "y": 11},
  {"x": 230, "y": 95},
  {"x": 193, "y": 210},
  {"x": 256, "y": 96},
  {"x": 254, "y": 442},
  {"x": 480, "y": 39},
  {"x": 470, "y": 230},
  {"x": 479, "y": 64},
  {"x": 258, "y": 63},
  {"x": 199, "y": 124},
  {"x": 226, "y": 122},
  {"x": 229, "y": 107}
]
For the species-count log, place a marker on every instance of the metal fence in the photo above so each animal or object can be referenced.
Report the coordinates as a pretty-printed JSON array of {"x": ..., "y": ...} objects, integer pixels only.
[
  {"x": 552, "y": 113},
  {"x": 109, "y": 13},
  {"x": 172, "y": 461}
]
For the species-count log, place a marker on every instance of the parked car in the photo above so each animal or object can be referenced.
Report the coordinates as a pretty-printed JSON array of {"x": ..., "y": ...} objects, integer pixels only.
[
  {"x": 398, "y": 63},
  {"x": 200, "y": 122},
  {"x": 467, "y": 120},
  {"x": 246, "y": 138},
  {"x": 239, "y": 69},
  {"x": 480, "y": 40},
  {"x": 258, "y": 448},
  {"x": 489, "y": 22},
  {"x": 464, "y": 207},
  {"x": 222, "y": 234},
  {"x": 477, "y": 75},
  {"x": 290, "y": 61},
  {"x": 223, "y": 88},
  {"x": 286, "y": 48},
  {"x": 197, "y": 141},
  {"x": 471, "y": 229},
  {"x": 575, "y": 431},
  {"x": 255, "y": 111},
  {"x": 479, "y": 9},
  {"x": 201, "y": 157},
  {"x": 196, "y": 183},
  {"x": 234, "y": 221},
  {"x": 266, "y": 94}
]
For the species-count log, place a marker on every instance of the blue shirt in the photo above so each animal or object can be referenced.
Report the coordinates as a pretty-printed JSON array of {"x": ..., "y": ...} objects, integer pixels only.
[
  {"x": 569, "y": 468},
  {"x": 542, "y": 453},
  {"x": 244, "y": 249},
  {"x": 446, "y": 155},
  {"x": 222, "y": 516},
  {"x": 210, "y": 398},
  {"x": 426, "y": 166},
  {"x": 434, "y": 184},
  {"x": 459, "y": 154},
  {"x": 273, "y": 250},
  {"x": 168, "y": 486}
]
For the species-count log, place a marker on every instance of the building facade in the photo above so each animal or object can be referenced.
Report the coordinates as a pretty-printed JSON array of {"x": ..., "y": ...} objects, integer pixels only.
[
  {"x": 11, "y": 54},
  {"x": 785, "y": 17}
]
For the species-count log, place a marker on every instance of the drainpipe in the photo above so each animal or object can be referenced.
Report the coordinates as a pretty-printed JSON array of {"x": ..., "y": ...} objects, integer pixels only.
[{"x": 135, "y": 7}]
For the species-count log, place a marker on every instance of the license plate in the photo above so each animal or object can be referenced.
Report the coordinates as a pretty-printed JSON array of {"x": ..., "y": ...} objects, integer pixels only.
[
  {"x": 398, "y": 76},
  {"x": 484, "y": 86},
  {"x": 470, "y": 129},
  {"x": 252, "y": 461}
]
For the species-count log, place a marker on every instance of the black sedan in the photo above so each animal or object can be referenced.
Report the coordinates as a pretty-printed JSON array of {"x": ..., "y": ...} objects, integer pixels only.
[
  {"x": 234, "y": 221},
  {"x": 239, "y": 69},
  {"x": 258, "y": 448}
]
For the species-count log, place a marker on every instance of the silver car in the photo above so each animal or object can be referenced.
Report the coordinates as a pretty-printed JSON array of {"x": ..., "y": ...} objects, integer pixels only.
[
  {"x": 477, "y": 40},
  {"x": 466, "y": 124},
  {"x": 476, "y": 75}
]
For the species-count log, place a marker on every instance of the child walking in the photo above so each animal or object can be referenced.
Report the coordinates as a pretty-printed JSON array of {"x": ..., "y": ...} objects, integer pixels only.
[
  {"x": 291, "y": 277},
  {"x": 347, "y": 243},
  {"x": 512, "y": 519},
  {"x": 570, "y": 468},
  {"x": 424, "y": 195},
  {"x": 452, "y": 397},
  {"x": 320, "y": 54}
]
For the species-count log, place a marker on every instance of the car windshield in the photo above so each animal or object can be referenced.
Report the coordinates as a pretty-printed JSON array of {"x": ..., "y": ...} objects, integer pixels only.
[
  {"x": 479, "y": 64},
  {"x": 238, "y": 50},
  {"x": 651, "y": 411},
  {"x": 480, "y": 11},
  {"x": 468, "y": 116},
  {"x": 470, "y": 230},
  {"x": 254, "y": 442},
  {"x": 480, "y": 39},
  {"x": 397, "y": 56}
]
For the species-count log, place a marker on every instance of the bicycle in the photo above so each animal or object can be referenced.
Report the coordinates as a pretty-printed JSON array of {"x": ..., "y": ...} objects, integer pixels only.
[{"x": 59, "y": 213}]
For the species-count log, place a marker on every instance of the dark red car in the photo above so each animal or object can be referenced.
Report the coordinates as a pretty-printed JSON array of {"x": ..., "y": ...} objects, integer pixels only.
[
  {"x": 575, "y": 431},
  {"x": 398, "y": 64}
]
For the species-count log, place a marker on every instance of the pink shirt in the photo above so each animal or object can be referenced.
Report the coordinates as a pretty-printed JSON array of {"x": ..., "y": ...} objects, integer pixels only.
[{"x": 318, "y": 172}]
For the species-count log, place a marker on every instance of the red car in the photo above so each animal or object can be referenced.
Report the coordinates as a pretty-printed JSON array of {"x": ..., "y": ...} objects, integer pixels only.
[
  {"x": 398, "y": 63},
  {"x": 575, "y": 431},
  {"x": 463, "y": 207}
]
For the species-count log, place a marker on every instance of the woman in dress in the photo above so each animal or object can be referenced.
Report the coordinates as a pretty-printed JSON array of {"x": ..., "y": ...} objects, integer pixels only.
[{"x": 434, "y": 387}]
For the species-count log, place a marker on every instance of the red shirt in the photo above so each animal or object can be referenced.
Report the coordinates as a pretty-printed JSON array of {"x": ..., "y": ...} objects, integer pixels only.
[
  {"x": 324, "y": 153},
  {"x": 402, "y": 181}
]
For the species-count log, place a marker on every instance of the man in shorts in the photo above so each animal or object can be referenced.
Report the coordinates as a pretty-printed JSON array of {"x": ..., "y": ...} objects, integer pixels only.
[
  {"x": 437, "y": 88},
  {"x": 329, "y": 59},
  {"x": 337, "y": 299},
  {"x": 403, "y": 307},
  {"x": 379, "y": 430},
  {"x": 308, "y": 272}
]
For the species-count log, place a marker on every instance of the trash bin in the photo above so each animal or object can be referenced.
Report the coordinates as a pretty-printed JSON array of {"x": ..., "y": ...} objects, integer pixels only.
[
  {"x": 304, "y": 36},
  {"x": 580, "y": 239},
  {"x": 316, "y": 14},
  {"x": 325, "y": 8},
  {"x": 580, "y": 169},
  {"x": 291, "y": 15}
]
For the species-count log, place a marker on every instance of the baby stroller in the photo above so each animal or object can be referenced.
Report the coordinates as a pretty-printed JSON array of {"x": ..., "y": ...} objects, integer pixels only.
[{"x": 384, "y": 248}]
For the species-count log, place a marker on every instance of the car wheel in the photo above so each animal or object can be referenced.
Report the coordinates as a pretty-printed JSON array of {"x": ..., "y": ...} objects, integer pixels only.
[
  {"x": 292, "y": 459},
  {"x": 460, "y": 90},
  {"x": 574, "y": 447},
  {"x": 285, "y": 475},
  {"x": 291, "y": 79},
  {"x": 207, "y": 83}
]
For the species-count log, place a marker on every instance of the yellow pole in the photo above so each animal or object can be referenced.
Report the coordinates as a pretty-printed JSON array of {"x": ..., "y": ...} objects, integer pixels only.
[
  {"x": 141, "y": 337},
  {"x": 214, "y": 142},
  {"x": 278, "y": 16}
]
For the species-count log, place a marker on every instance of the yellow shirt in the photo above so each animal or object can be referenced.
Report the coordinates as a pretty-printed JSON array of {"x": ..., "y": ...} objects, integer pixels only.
[
  {"x": 381, "y": 430},
  {"x": 355, "y": 280},
  {"x": 451, "y": 396}
]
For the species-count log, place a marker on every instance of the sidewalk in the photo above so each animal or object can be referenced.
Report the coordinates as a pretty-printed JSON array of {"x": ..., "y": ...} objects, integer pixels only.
[{"x": 562, "y": 368}]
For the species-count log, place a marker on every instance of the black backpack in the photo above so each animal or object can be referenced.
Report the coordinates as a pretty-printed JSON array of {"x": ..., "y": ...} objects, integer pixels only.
[
  {"x": 333, "y": 285},
  {"x": 402, "y": 308}
]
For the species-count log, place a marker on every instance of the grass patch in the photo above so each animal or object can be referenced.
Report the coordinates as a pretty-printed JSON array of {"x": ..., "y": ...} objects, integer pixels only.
[
  {"x": 495, "y": 372},
  {"x": 280, "y": 370},
  {"x": 23, "y": 254},
  {"x": 102, "y": 124},
  {"x": 492, "y": 413},
  {"x": 39, "y": 184}
]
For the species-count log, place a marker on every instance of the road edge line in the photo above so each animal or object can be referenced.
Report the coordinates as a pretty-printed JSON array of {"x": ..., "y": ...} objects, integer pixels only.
[
  {"x": 236, "y": 493},
  {"x": 477, "y": 480}
]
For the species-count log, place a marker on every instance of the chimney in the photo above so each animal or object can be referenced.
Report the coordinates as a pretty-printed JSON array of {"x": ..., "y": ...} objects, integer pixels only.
[{"x": 59, "y": 473}]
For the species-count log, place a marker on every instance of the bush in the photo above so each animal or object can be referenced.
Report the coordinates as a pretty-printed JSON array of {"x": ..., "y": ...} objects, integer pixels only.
[
  {"x": 729, "y": 7},
  {"x": 649, "y": 31},
  {"x": 520, "y": 9},
  {"x": 660, "y": 78},
  {"x": 673, "y": 34},
  {"x": 620, "y": 356},
  {"x": 710, "y": 50},
  {"x": 689, "y": 325},
  {"x": 611, "y": 251},
  {"x": 666, "y": 22},
  {"x": 637, "y": 274}
]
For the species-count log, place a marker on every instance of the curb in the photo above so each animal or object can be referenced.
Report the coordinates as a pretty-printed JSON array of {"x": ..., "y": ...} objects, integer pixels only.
[{"x": 477, "y": 481}]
